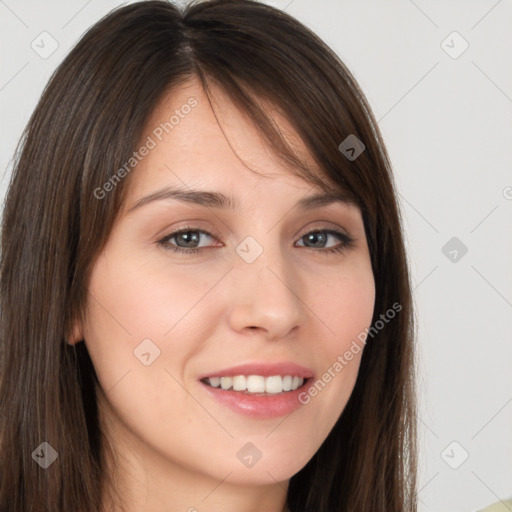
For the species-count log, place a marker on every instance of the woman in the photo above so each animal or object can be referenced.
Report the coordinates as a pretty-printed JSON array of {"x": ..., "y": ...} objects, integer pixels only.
[{"x": 204, "y": 292}]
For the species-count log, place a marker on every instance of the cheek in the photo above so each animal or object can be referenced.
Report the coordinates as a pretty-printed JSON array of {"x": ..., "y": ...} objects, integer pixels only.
[
  {"x": 135, "y": 309},
  {"x": 346, "y": 310},
  {"x": 346, "y": 304},
  {"x": 138, "y": 307},
  {"x": 139, "y": 299}
]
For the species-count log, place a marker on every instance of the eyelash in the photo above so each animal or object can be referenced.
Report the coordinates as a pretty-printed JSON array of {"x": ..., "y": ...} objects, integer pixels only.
[{"x": 347, "y": 242}]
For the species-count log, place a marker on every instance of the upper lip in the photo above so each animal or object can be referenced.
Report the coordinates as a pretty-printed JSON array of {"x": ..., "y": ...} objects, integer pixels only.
[{"x": 263, "y": 369}]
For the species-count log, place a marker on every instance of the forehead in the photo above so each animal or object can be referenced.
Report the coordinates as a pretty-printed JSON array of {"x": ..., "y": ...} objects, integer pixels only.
[{"x": 205, "y": 143}]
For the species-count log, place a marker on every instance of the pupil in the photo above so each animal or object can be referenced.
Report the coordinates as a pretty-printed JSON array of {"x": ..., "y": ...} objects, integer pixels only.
[
  {"x": 189, "y": 237},
  {"x": 317, "y": 239}
]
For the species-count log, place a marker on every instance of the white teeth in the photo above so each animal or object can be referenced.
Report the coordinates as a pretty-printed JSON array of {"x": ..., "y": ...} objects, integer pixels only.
[
  {"x": 257, "y": 384},
  {"x": 274, "y": 384},
  {"x": 215, "y": 382},
  {"x": 239, "y": 383},
  {"x": 225, "y": 382}
]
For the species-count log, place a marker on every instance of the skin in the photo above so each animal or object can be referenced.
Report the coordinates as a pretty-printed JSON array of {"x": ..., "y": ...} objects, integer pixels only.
[{"x": 177, "y": 447}]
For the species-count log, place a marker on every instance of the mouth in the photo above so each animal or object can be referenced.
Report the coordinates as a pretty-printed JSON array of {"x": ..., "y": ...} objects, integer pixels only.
[
  {"x": 259, "y": 389},
  {"x": 257, "y": 385}
]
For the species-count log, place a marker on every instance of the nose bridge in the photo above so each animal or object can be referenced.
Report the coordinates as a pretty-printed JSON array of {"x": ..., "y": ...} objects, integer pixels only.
[{"x": 266, "y": 291}]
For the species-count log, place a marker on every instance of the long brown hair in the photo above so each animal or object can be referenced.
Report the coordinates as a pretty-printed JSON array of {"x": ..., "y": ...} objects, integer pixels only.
[{"x": 86, "y": 125}]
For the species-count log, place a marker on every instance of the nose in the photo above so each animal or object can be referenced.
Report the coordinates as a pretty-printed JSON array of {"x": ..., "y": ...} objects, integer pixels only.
[{"x": 266, "y": 297}]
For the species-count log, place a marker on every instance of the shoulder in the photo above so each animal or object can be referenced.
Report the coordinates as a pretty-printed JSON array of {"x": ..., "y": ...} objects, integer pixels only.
[{"x": 500, "y": 506}]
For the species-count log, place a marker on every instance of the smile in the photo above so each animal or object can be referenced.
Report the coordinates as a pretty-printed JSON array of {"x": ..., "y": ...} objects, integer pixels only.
[{"x": 256, "y": 384}]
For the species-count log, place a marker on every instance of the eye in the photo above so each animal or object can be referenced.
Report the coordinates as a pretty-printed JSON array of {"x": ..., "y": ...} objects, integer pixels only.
[
  {"x": 188, "y": 240},
  {"x": 319, "y": 239}
]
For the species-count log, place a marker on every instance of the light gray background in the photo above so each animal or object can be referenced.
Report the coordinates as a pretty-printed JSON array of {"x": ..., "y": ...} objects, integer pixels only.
[{"x": 447, "y": 123}]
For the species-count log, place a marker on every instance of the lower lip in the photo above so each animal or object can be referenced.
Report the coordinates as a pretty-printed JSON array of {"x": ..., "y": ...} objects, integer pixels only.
[{"x": 256, "y": 405}]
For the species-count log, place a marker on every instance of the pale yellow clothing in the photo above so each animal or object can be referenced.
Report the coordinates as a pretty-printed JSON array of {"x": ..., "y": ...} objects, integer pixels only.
[{"x": 500, "y": 506}]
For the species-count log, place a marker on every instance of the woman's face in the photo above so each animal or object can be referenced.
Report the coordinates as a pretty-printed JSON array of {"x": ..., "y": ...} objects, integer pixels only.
[{"x": 247, "y": 283}]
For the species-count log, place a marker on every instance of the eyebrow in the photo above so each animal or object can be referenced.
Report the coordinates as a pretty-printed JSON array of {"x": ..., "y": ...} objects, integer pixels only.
[{"x": 219, "y": 200}]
